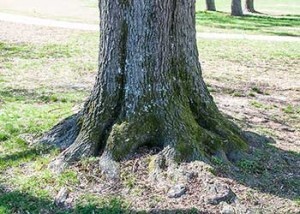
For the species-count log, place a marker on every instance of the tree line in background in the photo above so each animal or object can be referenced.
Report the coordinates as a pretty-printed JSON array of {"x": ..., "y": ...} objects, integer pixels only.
[{"x": 236, "y": 6}]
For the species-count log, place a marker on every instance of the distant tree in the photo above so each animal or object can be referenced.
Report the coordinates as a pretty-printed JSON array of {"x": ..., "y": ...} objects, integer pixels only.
[
  {"x": 236, "y": 8},
  {"x": 210, "y": 5},
  {"x": 149, "y": 92},
  {"x": 249, "y": 5}
]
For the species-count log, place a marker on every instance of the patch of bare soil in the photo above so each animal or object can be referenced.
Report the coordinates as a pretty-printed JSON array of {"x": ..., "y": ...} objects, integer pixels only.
[
  {"x": 73, "y": 73},
  {"x": 73, "y": 10},
  {"x": 18, "y": 33},
  {"x": 199, "y": 187},
  {"x": 262, "y": 97}
]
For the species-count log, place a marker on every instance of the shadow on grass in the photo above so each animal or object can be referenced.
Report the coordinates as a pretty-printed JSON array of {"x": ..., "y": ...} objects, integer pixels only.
[
  {"x": 254, "y": 23},
  {"x": 17, "y": 158},
  {"x": 291, "y": 15},
  {"x": 18, "y": 202},
  {"x": 36, "y": 96},
  {"x": 11, "y": 94},
  {"x": 25, "y": 51},
  {"x": 30, "y": 153},
  {"x": 266, "y": 168}
]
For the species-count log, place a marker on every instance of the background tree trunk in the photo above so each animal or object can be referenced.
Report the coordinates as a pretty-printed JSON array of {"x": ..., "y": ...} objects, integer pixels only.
[
  {"x": 236, "y": 8},
  {"x": 210, "y": 5},
  {"x": 249, "y": 5},
  {"x": 149, "y": 90}
]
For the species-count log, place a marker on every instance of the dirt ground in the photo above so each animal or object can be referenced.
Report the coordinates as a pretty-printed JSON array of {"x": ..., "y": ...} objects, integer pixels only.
[
  {"x": 32, "y": 34},
  {"x": 71, "y": 10}
]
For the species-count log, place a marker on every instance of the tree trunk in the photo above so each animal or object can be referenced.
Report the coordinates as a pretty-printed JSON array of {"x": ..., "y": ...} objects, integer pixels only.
[
  {"x": 249, "y": 5},
  {"x": 236, "y": 8},
  {"x": 210, "y": 5},
  {"x": 149, "y": 90}
]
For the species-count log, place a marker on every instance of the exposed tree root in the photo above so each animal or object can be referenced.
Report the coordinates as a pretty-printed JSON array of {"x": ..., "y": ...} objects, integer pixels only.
[
  {"x": 162, "y": 161},
  {"x": 64, "y": 133},
  {"x": 182, "y": 136},
  {"x": 109, "y": 167}
]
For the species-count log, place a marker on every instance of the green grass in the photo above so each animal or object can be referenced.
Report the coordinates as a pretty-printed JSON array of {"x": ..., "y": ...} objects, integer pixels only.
[
  {"x": 298, "y": 201},
  {"x": 29, "y": 62},
  {"x": 223, "y": 22},
  {"x": 279, "y": 17},
  {"x": 257, "y": 104},
  {"x": 290, "y": 109},
  {"x": 93, "y": 204},
  {"x": 251, "y": 166},
  {"x": 25, "y": 113},
  {"x": 25, "y": 51},
  {"x": 265, "y": 6},
  {"x": 21, "y": 202},
  {"x": 246, "y": 51}
]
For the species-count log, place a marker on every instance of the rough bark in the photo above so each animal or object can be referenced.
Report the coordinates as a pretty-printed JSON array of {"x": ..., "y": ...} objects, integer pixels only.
[
  {"x": 249, "y": 5},
  {"x": 149, "y": 89},
  {"x": 236, "y": 8},
  {"x": 64, "y": 133},
  {"x": 210, "y": 5}
]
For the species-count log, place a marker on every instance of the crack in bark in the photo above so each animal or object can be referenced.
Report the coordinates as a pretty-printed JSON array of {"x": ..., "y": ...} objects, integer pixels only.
[{"x": 119, "y": 110}]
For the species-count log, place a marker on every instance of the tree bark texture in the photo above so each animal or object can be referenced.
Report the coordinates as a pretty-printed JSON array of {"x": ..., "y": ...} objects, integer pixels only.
[
  {"x": 210, "y": 5},
  {"x": 149, "y": 89},
  {"x": 236, "y": 8},
  {"x": 249, "y": 5}
]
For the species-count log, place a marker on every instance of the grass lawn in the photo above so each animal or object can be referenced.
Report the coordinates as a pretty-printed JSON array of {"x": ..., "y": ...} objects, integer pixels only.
[
  {"x": 248, "y": 24},
  {"x": 254, "y": 83},
  {"x": 272, "y": 7}
]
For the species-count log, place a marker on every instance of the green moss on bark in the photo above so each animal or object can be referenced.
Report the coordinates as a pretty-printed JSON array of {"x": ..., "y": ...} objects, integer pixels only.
[{"x": 126, "y": 137}]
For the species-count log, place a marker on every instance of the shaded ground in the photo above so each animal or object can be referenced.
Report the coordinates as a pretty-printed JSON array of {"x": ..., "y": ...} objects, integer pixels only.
[
  {"x": 257, "y": 24},
  {"x": 45, "y": 78}
]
